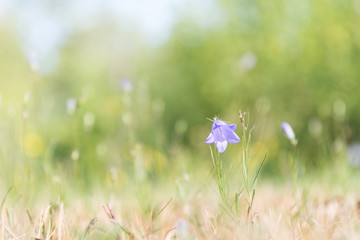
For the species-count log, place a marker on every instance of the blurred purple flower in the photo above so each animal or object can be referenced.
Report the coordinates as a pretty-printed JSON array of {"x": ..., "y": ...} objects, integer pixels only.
[
  {"x": 126, "y": 85},
  {"x": 222, "y": 134},
  {"x": 182, "y": 229},
  {"x": 354, "y": 154},
  {"x": 287, "y": 129}
]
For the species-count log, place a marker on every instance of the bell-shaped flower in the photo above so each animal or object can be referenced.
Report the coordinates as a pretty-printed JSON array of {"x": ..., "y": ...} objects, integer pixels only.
[
  {"x": 289, "y": 132},
  {"x": 222, "y": 134}
]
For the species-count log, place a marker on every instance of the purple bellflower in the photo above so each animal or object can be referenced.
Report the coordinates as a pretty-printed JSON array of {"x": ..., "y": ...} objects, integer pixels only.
[
  {"x": 289, "y": 132},
  {"x": 222, "y": 134},
  {"x": 126, "y": 85}
]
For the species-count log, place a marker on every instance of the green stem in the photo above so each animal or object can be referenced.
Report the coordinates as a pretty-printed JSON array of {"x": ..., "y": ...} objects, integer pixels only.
[
  {"x": 293, "y": 168},
  {"x": 220, "y": 179}
]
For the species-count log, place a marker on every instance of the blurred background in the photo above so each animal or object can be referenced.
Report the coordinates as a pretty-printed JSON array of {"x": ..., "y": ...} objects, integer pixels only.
[{"x": 107, "y": 93}]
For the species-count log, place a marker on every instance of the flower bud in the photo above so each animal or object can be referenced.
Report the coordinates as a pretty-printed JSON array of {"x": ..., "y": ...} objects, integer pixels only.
[{"x": 287, "y": 129}]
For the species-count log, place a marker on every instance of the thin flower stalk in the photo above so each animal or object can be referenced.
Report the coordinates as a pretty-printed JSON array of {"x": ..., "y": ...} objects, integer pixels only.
[
  {"x": 250, "y": 186},
  {"x": 220, "y": 135},
  {"x": 293, "y": 163}
]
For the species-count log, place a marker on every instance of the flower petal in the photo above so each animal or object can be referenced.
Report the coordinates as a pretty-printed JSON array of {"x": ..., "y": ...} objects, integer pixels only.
[
  {"x": 210, "y": 139},
  {"x": 217, "y": 124},
  {"x": 287, "y": 129},
  {"x": 221, "y": 146},
  {"x": 232, "y": 126},
  {"x": 218, "y": 135},
  {"x": 229, "y": 135}
]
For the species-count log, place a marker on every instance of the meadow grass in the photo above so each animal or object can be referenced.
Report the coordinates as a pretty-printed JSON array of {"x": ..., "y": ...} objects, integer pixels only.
[
  {"x": 149, "y": 198},
  {"x": 110, "y": 144},
  {"x": 85, "y": 176},
  {"x": 329, "y": 208}
]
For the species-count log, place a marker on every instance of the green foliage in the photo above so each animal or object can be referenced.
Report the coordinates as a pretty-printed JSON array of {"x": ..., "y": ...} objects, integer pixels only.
[
  {"x": 307, "y": 54},
  {"x": 282, "y": 60}
]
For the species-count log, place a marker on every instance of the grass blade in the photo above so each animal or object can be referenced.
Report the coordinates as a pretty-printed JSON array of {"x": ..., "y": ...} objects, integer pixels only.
[
  {"x": 4, "y": 199},
  {"x": 258, "y": 171}
]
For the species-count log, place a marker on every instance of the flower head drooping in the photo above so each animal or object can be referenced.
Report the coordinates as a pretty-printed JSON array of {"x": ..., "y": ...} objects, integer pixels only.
[
  {"x": 222, "y": 134},
  {"x": 287, "y": 129}
]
